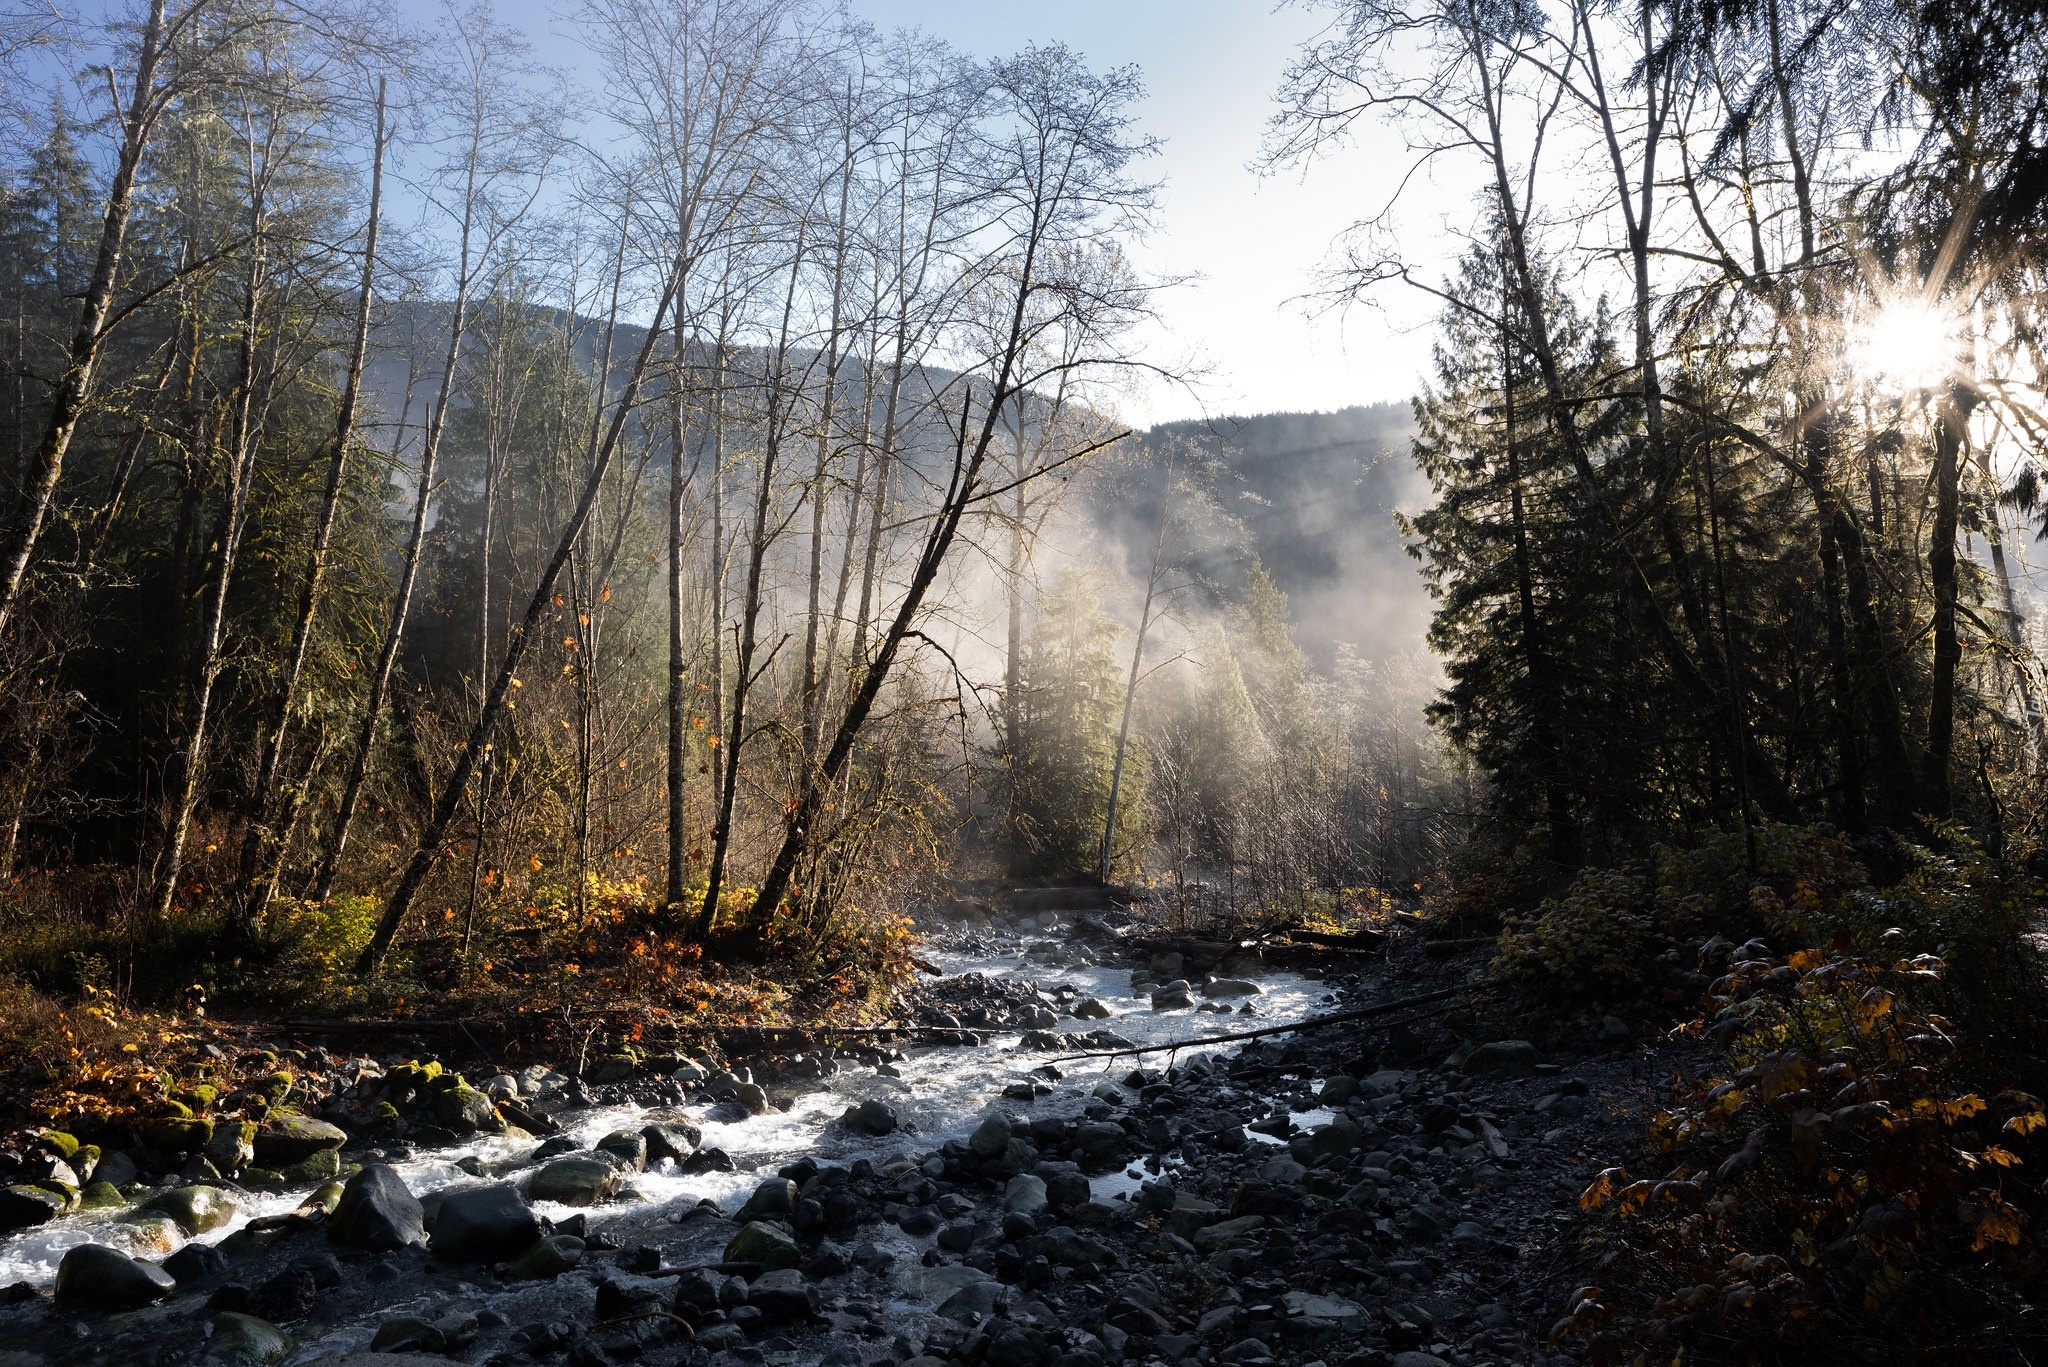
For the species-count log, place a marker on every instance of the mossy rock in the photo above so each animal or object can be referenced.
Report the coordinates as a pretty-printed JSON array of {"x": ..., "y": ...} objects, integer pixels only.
[
  {"x": 262, "y": 1179},
  {"x": 86, "y": 1124},
  {"x": 277, "y": 1086},
  {"x": 323, "y": 1166},
  {"x": 101, "y": 1196},
  {"x": 325, "y": 1197},
  {"x": 385, "y": 1112},
  {"x": 63, "y": 1191},
  {"x": 58, "y": 1143},
  {"x": 200, "y": 1096},
  {"x": 153, "y": 1234},
  {"x": 180, "y": 1135},
  {"x": 198, "y": 1209},
  {"x": 172, "y": 1109},
  {"x": 85, "y": 1159}
]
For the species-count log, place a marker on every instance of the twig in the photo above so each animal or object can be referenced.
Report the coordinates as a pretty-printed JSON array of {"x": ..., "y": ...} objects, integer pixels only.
[{"x": 1312, "y": 1023}]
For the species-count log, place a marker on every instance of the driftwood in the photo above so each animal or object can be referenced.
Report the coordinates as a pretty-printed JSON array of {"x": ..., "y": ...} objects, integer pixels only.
[{"x": 1312, "y": 1023}]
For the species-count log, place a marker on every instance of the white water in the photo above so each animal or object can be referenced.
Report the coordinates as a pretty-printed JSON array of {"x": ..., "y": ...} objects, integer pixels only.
[{"x": 943, "y": 1093}]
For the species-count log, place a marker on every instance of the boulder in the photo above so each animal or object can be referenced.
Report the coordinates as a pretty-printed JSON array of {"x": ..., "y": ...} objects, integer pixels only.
[
  {"x": 195, "y": 1263},
  {"x": 991, "y": 1138},
  {"x": 101, "y": 1278},
  {"x": 116, "y": 1169},
  {"x": 1100, "y": 1142},
  {"x": 323, "y": 1166},
  {"x": 1509, "y": 1056},
  {"x": 1025, "y": 1194},
  {"x": 467, "y": 1111},
  {"x": 1174, "y": 996},
  {"x": 872, "y": 1116},
  {"x": 22, "y": 1207},
  {"x": 195, "y": 1209},
  {"x": 751, "y": 1096},
  {"x": 1338, "y": 1088},
  {"x": 547, "y": 1259},
  {"x": 774, "y": 1199},
  {"x": 1227, "y": 1232},
  {"x": 245, "y": 1341},
  {"x": 101, "y": 1196},
  {"x": 377, "y": 1211},
  {"x": 233, "y": 1146},
  {"x": 671, "y": 1141},
  {"x": 284, "y": 1140},
  {"x": 1092, "y": 1009},
  {"x": 483, "y": 1225},
  {"x": 179, "y": 1134},
  {"x": 972, "y": 1303},
  {"x": 761, "y": 1242},
  {"x": 1231, "y": 987},
  {"x": 783, "y": 1294},
  {"x": 628, "y": 1146},
  {"x": 577, "y": 1179}
]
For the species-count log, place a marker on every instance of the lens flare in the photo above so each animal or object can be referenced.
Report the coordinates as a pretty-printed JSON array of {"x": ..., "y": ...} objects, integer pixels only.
[{"x": 1906, "y": 345}]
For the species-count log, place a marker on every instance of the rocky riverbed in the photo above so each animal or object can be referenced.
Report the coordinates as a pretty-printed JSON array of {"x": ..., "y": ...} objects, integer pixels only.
[{"x": 1382, "y": 1194}]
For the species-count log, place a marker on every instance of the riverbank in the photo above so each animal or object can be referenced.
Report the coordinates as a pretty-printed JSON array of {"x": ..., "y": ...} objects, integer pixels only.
[{"x": 1345, "y": 1195}]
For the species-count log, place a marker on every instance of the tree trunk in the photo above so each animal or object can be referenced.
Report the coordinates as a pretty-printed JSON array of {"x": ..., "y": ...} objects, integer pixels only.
[
  {"x": 258, "y": 862},
  {"x": 74, "y": 388},
  {"x": 428, "y": 850},
  {"x": 1950, "y": 423}
]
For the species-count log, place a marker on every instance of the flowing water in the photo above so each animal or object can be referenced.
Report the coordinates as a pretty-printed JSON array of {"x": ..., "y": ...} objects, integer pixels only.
[{"x": 943, "y": 1092}]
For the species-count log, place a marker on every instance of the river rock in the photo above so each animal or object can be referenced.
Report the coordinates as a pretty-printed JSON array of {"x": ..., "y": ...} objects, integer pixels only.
[
  {"x": 872, "y": 1116},
  {"x": 101, "y": 1196},
  {"x": 752, "y": 1097},
  {"x": 783, "y": 1294},
  {"x": 233, "y": 1146},
  {"x": 1092, "y": 1009},
  {"x": 628, "y": 1146},
  {"x": 1322, "y": 1311},
  {"x": 284, "y": 1140},
  {"x": 1338, "y": 1088},
  {"x": 151, "y": 1234},
  {"x": 547, "y": 1259},
  {"x": 377, "y": 1211},
  {"x": 1226, "y": 1232},
  {"x": 577, "y": 1179},
  {"x": 195, "y": 1209},
  {"x": 195, "y": 1263},
  {"x": 1509, "y": 1056},
  {"x": 484, "y": 1225},
  {"x": 1231, "y": 987},
  {"x": 22, "y": 1207},
  {"x": 1064, "y": 1185},
  {"x": 116, "y": 1169},
  {"x": 1167, "y": 965},
  {"x": 774, "y": 1199},
  {"x": 761, "y": 1242},
  {"x": 105, "y": 1279},
  {"x": 1101, "y": 1143},
  {"x": 991, "y": 1138},
  {"x": 245, "y": 1341},
  {"x": 1173, "y": 996},
  {"x": 972, "y": 1303},
  {"x": 1025, "y": 1194},
  {"x": 671, "y": 1141},
  {"x": 501, "y": 1087},
  {"x": 179, "y": 1134},
  {"x": 467, "y": 1111}
]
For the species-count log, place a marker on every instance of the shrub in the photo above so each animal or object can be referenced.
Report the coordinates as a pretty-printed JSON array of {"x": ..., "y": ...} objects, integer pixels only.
[{"x": 1847, "y": 1179}]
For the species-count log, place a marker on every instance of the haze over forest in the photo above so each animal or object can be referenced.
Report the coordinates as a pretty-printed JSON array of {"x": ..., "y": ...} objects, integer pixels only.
[{"x": 658, "y": 506}]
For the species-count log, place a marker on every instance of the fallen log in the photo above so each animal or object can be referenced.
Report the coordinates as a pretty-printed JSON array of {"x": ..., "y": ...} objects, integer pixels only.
[
  {"x": 1355, "y": 940},
  {"x": 1312, "y": 1023}
]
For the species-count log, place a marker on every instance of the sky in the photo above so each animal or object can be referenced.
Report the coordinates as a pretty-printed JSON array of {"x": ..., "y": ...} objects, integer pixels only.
[{"x": 1251, "y": 246}]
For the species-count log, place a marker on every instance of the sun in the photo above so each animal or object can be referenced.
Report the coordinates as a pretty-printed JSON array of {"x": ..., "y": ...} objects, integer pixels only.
[{"x": 1905, "y": 345}]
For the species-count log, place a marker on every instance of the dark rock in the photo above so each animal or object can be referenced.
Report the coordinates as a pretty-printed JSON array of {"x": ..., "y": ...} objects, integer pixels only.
[
  {"x": 918, "y": 1221},
  {"x": 783, "y": 1294},
  {"x": 765, "y": 1243},
  {"x": 23, "y": 1207},
  {"x": 549, "y": 1258},
  {"x": 484, "y": 1225},
  {"x": 577, "y": 1179},
  {"x": 708, "y": 1160},
  {"x": 377, "y": 1212},
  {"x": 289, "y": 1295},
  {"x": 196, "y": 1209},
  {"x": 628, "y": 1146},
  {"x": 671, "y": 1141},
  {"x": 872, "y": 1116},
  {"x": 195, "y": 1263},
  {"x": 104, "y": 1279},
  {"x": 1515, "y": 1056}
]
